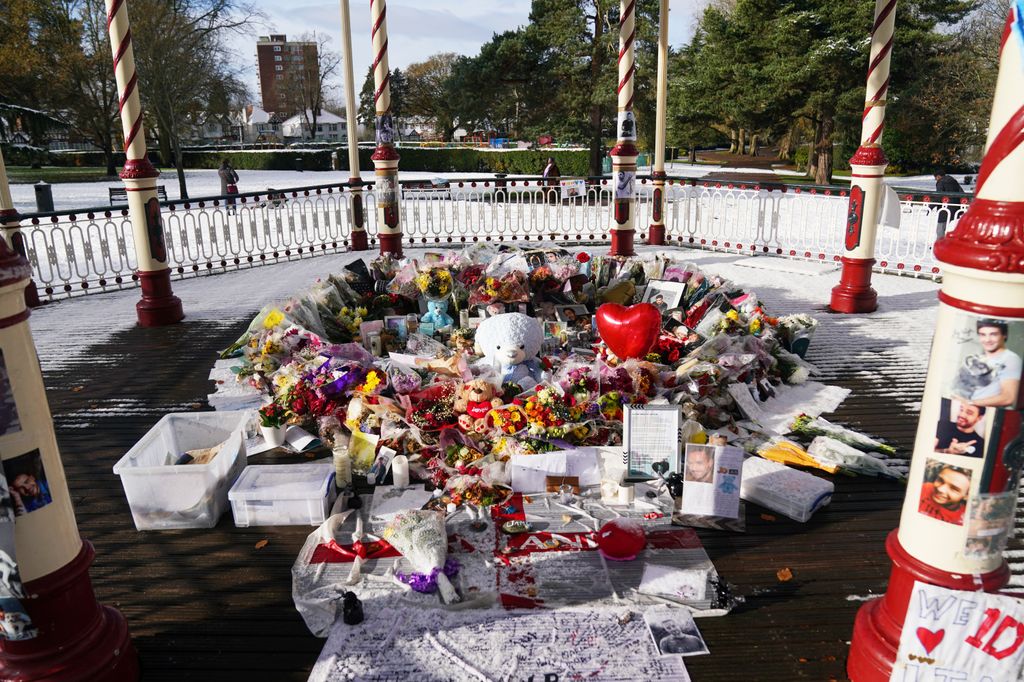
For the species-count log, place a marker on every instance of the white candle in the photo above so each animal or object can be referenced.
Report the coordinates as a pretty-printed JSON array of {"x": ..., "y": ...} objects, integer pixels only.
[
  {"x": 464, "y": 319},
  {"x": 400, "y": 471},
  {"x": 342, "y": 466},
  {"x": 626, "y": 494}
]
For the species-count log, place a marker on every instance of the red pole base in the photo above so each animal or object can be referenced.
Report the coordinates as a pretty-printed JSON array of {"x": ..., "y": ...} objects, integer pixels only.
[
  {"x": 622, "y": 243},
  {"x": 876, "y": 631},
  {"x": 359, "y": 242},
  {"x": 391, "y": 243},
  {"x": 159, "y": 306},
  {"x": 854, "y": 294},
  {"x": 78, "y": 638},
  {"x": 656, "y": 235}
]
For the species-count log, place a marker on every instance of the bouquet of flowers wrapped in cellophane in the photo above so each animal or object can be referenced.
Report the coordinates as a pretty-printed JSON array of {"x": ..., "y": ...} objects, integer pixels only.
[{"x": 421, "y": 538}]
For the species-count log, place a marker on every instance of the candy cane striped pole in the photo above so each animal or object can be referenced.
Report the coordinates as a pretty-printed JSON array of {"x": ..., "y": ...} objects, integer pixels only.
[
  {"x": 76, "y": 638},
  {"x": 656, "y": 231},
  {"x": 624, "y": 153},
  {"x": 159, "y": 306},
  {"x": 385, "y": 158},
  {"x": 854, "y": 294},
  {"x": 351, "y": 113},
  {"x": 10, "y": 226},
  {"x": 952, "y": 532}
]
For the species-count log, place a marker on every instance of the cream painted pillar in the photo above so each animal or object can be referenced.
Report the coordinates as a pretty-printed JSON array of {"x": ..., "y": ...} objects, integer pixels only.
[
  {"x": 656, "y": 232},
  {"x": 854, "y": 294},
  {"x": 959, "y": 509},
  {"x": 159, "y": 306},
  {"x": 385, "y": 158},
  {"x": 351, "y": 117},
  {"x": 624, "y": 153}
]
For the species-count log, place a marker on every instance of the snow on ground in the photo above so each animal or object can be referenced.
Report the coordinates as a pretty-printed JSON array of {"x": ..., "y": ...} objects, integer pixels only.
[
  {"x": 901, "y": 328},
  {"x": 206, "y": 182}
]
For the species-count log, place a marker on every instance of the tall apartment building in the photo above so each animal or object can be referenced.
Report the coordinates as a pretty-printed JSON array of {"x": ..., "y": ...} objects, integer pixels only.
[{"x": 277, "y": 60}]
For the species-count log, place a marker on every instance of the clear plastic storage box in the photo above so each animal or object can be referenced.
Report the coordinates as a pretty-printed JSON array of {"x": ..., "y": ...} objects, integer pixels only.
[
  {"x": 796, "y": 494},
  {"x": 163, "y": 494},
  {"x": 283, "y": 494}
]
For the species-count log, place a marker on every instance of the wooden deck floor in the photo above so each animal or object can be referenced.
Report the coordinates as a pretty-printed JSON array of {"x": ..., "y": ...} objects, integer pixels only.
[{"x": 208, "y": 605}]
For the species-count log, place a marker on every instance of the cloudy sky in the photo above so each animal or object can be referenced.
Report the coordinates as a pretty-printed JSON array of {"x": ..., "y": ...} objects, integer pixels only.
[{"x": 416, "y": 28}]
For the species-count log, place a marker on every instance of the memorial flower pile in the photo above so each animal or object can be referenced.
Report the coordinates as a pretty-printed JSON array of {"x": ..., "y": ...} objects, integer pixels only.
[{"x": 316, "y": 357}]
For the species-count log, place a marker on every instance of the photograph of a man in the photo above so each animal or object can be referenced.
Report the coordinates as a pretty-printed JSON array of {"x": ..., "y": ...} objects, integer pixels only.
[
  {"x": 944, "y": 492},
  {"x": 961, "y": 429},
  {"x": 700, "y": 464},
  {"x": 991, "y": 378}
]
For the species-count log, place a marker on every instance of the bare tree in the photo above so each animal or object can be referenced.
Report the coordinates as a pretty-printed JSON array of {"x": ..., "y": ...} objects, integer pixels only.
[
  {"x": 306, "y": 87},
  {"x": 184, "y": 64}
]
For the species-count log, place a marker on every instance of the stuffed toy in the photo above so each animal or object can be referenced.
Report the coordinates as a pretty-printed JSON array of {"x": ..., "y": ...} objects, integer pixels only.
[
  {"x": 472, "y": 403},
  {"x": 511, "y": 342},
  {"x": 437, "y": 314}
]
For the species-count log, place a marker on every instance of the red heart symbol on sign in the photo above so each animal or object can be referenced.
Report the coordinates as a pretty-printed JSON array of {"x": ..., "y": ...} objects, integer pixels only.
[
  {"x": 930, "y": 639},
  {"x": 629, "y": 332}
]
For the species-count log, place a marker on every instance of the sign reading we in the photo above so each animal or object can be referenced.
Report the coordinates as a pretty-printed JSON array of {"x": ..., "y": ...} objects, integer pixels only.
[{"x": 957, "y": 636}]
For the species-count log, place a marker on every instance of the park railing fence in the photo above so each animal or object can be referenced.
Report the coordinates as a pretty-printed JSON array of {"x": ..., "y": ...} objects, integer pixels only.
[{"x": 91, "y": 250}]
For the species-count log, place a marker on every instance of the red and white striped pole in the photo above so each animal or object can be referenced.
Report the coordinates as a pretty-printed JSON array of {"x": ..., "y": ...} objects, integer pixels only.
[
  {"x": 624, "y": 153},
  {"x": 351, "y": 113},
  {"x": 854, "y": 294},
  {"x": 77, "y": 638},
  {"x": 159, "y": 306},
  {"x": 11, "y": 228},
  {"x": 962, "y": 493},
  {"x": 385, "y": 158},
  {"x": 656, "y": 232}
]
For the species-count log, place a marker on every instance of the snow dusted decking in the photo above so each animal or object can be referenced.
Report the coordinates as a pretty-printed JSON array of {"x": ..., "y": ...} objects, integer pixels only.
[{"x": 207, "y": 604}]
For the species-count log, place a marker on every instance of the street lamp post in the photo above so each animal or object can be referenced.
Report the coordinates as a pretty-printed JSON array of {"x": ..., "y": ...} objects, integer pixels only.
[
  {"x": 159, "y": 306},
  {"x": 960, "y": 484}
]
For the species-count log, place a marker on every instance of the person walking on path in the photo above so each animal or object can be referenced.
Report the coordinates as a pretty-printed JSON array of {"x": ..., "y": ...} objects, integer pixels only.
[
  {"x": 551, "y": 174},
  {"x": 945, "y": 184},
  {"x": 228, "y": 182}
]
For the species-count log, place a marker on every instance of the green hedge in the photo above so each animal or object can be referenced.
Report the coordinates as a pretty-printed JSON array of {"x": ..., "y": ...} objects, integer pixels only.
[
  {"x": 515, "y": 162},
  {"x": 261, "y": 160},
  {"x": 92, "y": 159},
  {"x": 840, "y": 158}
]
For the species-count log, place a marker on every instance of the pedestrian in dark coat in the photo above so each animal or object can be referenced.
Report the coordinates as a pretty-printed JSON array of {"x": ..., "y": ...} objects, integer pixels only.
[{"x": 945, "y": 184}]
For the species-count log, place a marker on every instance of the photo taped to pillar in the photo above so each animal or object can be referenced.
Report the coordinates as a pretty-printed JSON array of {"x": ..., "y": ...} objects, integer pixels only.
[
  {"x": 962, "y": 428},
  {"x": 9, "y": 421},
  {"x": 945, "y": 492},
  {"x": 26, "y": 479},
  {"x": 624, "y": 184},
  {"x": 385, "y": 129},
  {"x": 985, "y": 365},
  {"x": 387, "y": 190},
  {"x": 15, "y": 623},
  {"x": 989, "y": 524},
  {"x": 627, "y": 125}
]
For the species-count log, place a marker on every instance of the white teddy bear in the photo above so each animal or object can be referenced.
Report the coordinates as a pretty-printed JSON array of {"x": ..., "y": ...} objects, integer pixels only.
[{"x": 511, "y": 342}]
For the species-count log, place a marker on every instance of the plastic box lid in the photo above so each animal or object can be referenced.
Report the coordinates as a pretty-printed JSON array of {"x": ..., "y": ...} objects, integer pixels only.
[
  {"x": 283, "y": 482},
  {"x": 797, "y": 494}
]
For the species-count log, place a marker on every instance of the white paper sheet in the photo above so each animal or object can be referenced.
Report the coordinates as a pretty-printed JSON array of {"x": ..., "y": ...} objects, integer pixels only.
[
  {"x": 530, "y": 471},
  {"x": 712, "y": 490}
]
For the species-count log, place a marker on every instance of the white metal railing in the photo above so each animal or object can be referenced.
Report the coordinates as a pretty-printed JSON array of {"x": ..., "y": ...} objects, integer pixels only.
[{"x": 89, "y": 250}]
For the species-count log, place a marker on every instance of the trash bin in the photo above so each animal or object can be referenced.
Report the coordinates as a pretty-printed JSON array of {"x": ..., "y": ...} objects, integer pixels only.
[{"x": 44, "y": 197}]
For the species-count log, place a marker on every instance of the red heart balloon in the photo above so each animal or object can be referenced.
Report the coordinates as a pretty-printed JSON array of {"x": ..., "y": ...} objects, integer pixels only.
[{"x": 629, "y": 332}]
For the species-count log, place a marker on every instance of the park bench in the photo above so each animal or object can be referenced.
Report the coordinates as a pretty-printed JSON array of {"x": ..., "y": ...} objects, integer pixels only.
[{"x": 119, "y": 195}]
